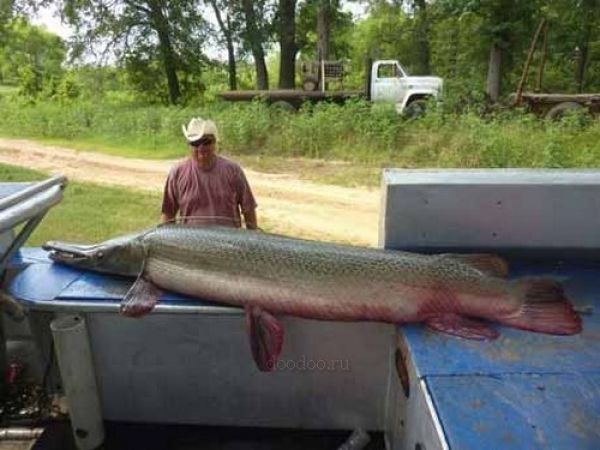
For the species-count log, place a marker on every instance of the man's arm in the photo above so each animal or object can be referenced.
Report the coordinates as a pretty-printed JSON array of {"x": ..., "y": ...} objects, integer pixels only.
[
  {"x": 250, "y": 219},
  {"x": 170, "y": 205}
]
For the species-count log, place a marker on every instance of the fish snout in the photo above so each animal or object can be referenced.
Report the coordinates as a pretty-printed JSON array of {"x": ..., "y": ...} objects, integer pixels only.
[{"x": 71, "y": 253}]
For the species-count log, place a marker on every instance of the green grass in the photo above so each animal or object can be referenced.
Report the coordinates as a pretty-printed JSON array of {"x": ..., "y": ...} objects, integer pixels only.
[
  {"x": 4, "y": 89},
  {"x": 345, "y": 145},
  {"x": 89, "y": 213}
]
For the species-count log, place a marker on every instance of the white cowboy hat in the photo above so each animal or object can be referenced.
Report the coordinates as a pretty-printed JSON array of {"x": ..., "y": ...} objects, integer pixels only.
[{"x": 197, "y": 128}]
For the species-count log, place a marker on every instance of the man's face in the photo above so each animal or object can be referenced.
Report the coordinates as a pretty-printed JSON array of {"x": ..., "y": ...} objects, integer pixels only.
[{"x": 203, "y": 150}]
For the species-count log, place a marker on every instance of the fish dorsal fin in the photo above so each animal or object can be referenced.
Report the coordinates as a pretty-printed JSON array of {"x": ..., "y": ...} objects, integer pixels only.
[
  {"x": 487, "y": 264},
  {"x": 461, "y": 326},
  {"x": 266, "y": 337},
  {"x": 141, "y": 298}
]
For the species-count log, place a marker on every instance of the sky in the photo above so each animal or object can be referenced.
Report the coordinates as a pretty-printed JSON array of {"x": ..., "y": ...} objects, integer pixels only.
[{"x": 49, "y": 19}]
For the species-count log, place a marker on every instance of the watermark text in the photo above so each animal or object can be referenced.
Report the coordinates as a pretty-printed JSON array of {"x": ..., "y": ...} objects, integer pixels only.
[{"x": 305, "y": 364}]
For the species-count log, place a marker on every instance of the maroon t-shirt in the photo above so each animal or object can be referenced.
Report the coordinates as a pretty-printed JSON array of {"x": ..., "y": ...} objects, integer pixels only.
[{"x": 212, "y": 196}]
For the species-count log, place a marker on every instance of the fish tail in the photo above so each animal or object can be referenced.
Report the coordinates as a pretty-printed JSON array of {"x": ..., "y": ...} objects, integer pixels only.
[{"x": 544, "y": 308}]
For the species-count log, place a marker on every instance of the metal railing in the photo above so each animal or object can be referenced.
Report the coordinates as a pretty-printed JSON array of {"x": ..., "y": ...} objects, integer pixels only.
[{"x": 20, "y": 213}]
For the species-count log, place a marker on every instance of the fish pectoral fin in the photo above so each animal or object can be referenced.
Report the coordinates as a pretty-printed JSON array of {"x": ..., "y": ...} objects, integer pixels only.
[
  {"x": 461, "y": 326},
  {"x": 485, "y": 263},
  {"x": 140, "y": 299},
  {"x": 266, "y": 337}
]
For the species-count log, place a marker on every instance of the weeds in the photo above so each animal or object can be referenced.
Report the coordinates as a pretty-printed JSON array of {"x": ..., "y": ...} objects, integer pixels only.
[{"x": 358, "y": 132}]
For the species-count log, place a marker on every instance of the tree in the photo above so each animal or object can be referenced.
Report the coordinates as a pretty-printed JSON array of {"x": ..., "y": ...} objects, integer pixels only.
[
  {"x": 255, "y": 35},
  {"x": 6, "y": 10},
  {"x": 575, "y": 24},
  {"x": 386, "y": 33},
  {"x": 30, "y": 57},
  {"x": 589, "y": 15},
  {"x": 174, "y": 27},
  {"x": 338, "y": 35},
  {"x": 506, "y": 21},
  {"x": 419, "y": 8},
  {"x": 455, "y": 55},
  {"x": 229, "y": 26},
  {"x": 505, "y": 29},
  {"x": 287, "y": 43},
  {"x": 323, "y": 29}
]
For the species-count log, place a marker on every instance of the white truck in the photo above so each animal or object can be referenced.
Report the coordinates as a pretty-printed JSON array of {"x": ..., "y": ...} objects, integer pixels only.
[{"x": 386, "y": 81}]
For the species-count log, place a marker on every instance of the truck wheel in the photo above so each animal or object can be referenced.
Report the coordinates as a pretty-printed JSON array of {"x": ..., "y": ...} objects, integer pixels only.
[
  {"x": 558, "y": 111},
  {"x": 415, "y": 109},
  {"x": 282, "y": 105},
  {"x": 310, "y": 84}
]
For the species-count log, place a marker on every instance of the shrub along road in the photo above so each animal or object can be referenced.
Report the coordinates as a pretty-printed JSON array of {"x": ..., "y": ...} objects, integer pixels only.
[{"x": 287, "y": 205}]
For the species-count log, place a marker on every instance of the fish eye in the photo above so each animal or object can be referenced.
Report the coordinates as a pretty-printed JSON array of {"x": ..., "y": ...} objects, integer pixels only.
[{"x": 100, "y": 255}]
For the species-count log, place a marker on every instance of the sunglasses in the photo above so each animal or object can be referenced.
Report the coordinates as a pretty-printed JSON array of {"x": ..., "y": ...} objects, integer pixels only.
[{"x": 203, "y": 141}]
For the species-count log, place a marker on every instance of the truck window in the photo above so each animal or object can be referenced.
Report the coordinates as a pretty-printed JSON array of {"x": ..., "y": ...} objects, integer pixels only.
[{"x": 387, "y": 71}]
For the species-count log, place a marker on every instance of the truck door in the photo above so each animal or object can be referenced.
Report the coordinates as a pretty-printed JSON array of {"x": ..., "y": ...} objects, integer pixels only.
[{"x": 387, "y": 82}]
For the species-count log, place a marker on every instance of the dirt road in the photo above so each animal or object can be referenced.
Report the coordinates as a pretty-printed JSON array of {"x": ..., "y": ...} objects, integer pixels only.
[{"x": 290, "y": 206}]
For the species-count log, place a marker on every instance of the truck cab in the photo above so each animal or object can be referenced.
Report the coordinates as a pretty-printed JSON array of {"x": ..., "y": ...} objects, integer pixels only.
[{"x": 389, "y": 82}]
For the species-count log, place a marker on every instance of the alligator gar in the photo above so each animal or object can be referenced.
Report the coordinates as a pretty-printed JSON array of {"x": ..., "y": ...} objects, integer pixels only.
[{"x": 273, "y": 275}]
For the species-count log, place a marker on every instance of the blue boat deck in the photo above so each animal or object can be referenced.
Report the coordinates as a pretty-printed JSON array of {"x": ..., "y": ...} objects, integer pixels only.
[{"x": 524, "y": 390}]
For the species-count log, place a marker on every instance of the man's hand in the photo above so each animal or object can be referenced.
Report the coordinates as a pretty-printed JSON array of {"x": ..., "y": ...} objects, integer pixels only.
[
  {"x": 250, "y": 219},
  {"x": 164, "y": 218}
]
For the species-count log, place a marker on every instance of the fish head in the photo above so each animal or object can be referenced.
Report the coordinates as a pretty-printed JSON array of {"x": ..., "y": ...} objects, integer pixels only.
[{"x": 120, "y": 256}]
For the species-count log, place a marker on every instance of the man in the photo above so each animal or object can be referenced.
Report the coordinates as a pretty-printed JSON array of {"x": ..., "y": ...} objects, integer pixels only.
[{"x": 207, "y": 188}]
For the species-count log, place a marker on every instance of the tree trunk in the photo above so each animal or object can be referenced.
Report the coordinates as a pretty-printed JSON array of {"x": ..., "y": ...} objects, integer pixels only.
[
  {"x": 494, "y": 73},
  {"x": 231, "y": 64},
  {"x": 581, "y": 66},
  {"x": 540, "y": 75},
  {"x": 161, "y": 26},
  {"x": 453, "y": 52},
  {"x": 323, "y": 29},
  {"x": 287, "y": 43},
  {"x": 583, "y": 45},
  {"x": 169, "y": 63},
  {"x": 254, "y": 38},
  {"x": 582, "y": 58},
  {"x": 226, "y": 30},
  {"x": 422, "y": 36}
]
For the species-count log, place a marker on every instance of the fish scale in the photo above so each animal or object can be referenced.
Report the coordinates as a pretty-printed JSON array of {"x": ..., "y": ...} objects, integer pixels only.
[{"x": 279, "y": 255}]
